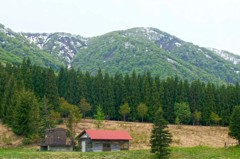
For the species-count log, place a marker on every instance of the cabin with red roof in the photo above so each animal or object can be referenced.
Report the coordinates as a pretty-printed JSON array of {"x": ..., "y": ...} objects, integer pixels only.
[{"x": 104, "y": 140}]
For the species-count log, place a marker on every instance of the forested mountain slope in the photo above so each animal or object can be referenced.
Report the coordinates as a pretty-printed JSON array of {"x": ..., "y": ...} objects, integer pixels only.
[
  {"x": 14, "y": 47},
  {"x": 61, "y": 45},
  {"x": 149, "y": 49},
  {"x": 139, "y": 49}
]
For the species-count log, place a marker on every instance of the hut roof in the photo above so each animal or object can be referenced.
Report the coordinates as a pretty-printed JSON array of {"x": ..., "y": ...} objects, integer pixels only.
[{"x": 107, "y": 134}]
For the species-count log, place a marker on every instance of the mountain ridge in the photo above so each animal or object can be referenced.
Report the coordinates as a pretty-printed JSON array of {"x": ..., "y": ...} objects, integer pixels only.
[{"x": 140, "y": 49}]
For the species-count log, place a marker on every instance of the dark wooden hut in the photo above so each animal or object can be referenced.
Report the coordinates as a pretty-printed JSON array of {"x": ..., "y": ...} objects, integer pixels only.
[{"x": 56, "y": 140}]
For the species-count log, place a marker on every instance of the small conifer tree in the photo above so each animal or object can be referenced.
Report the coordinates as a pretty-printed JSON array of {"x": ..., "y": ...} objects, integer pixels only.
[
  {"x": 160, "y": 137},
  {"x": 234, "y": 125},
  {"x": 99, "y": 116}
]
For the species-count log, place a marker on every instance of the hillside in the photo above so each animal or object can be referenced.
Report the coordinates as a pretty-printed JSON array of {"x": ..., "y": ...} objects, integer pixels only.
[
  {"x": 149, "y": 49},
  {"x": 64, "y": 46},
  {"x": 183, "y": 136},
  {"x": 139, "y": 49},
  {"x": 8, "y": 138},
  {"x": 14, "y": 47}
]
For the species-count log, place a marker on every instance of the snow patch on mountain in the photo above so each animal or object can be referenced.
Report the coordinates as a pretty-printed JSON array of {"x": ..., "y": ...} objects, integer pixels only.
[
  {"x": 226, "y": 55},
  {"x": 64, "y": 45}
]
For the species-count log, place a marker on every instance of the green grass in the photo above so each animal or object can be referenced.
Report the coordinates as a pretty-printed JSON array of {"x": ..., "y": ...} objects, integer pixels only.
[{"x": 177, "y": 153}]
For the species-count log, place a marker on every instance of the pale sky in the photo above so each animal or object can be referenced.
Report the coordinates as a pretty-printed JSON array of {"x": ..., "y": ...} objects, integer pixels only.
[{"x": 208, "y": 23}]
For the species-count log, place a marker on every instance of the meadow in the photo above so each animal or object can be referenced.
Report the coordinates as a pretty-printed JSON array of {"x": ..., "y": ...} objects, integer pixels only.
[
  {"x": 199, "y": 152},
  {"x": 189, "y": 142}
]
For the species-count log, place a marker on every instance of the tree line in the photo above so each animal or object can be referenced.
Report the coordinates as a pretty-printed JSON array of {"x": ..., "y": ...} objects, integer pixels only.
[{"x": 29, "y": 90}]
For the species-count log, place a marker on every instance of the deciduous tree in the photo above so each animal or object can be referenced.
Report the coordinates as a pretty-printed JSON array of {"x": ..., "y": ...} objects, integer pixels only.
[
  {"x": 124, "y": 110},
  {"x": 182, "y": 110},
  {"x": 84, "y": 106},
  {"x": 215, "y": 118},
  {"x": 142, "y": 110},
  {"x": 196, "y": 117}
]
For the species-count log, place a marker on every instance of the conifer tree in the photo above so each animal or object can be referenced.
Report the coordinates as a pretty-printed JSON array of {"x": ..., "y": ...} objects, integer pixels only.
[
  {"x": 118, "y": 90},
  {"x": 99, "y": 116},
  {"x": 155, "y": 101},
  {"x": 51, "y": 90},
  {"x": 9, "y": 101},
  {"x": 234, "y": 125},
  {"x": 46, "y": 121},
  {"x": 73, "y": 119},
  {"x": 160, "y": 137},
  {"x": 108, "y": 97},
  {"x": 26, "y": 114}
]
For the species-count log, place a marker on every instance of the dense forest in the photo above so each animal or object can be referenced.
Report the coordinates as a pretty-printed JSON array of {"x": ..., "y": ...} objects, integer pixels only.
[{"x": 29, "y": 92}]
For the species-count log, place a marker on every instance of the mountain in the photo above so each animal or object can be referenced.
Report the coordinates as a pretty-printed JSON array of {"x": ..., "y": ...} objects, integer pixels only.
[
  {"x": 14, "y": 47},
  {"x": 62, "y": 45},
  {"x": 139, "y": 49},
  {"x": 149, "y": 49}
]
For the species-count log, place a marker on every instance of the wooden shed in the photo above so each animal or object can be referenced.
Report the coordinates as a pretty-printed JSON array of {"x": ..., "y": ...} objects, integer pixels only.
[
  {"x": 56, "y": 140},
  {"x": 104, "y": 140}
]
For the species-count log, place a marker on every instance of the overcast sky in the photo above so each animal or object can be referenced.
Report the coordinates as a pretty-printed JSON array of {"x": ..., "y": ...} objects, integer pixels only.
[{"x": 210, "y": 23}]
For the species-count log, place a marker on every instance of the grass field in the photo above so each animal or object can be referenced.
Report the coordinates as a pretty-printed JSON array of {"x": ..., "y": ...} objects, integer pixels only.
[
  {"x": 189, "y": 142},
  {"x": 183, "y": 136},
  {"x": 177, "y": 153}
]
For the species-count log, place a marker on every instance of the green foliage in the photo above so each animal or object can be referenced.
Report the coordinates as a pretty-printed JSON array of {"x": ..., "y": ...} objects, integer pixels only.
[
  {"x": 142, "y": 110},
  {"x": 48, "y": 119},
  {"x": 197, "y": 117},
  {"x": 26, "y": 114},
  {"x": 51, "y": 89},
  {"x": 99, "y": 116},
  {"x": 84, "y": 106},
  {"x": 215, "y": 118},
  {"x": 30, "y": 139},
  {"x": 58, "y": 93},
  {"x": 177, "y": 121},
  {"x": 160, "y": 137},
  {"x": 124, "y": 110},
  {"x": 234, "y": 126},
  {"x": 139, "y": 49},
  {"x": 14, "y": 47},
  {"x": 66, "y": 108},
  {"x": 182, "y": 111},
  {"x": 73, "y": 119}
]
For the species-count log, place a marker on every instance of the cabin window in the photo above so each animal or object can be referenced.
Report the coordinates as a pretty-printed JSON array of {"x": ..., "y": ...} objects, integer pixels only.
[
  {"x": 124, "y": 146},
  {"x": 106, "y": 147},
  {"x": 89, "y": 145}
]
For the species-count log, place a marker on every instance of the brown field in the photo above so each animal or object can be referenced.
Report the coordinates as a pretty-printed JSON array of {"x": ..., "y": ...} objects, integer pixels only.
[
  {"x": 183, "y": 136},
  {"x": 8, "y": 138}
]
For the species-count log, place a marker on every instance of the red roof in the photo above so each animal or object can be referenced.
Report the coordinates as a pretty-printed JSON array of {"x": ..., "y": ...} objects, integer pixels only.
[{"x": 107, "y": 134}]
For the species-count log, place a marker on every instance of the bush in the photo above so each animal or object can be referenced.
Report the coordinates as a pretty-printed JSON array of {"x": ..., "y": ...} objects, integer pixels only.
[
  {"x": 7, "y": 139},
  {"x": 76, "y": 148},
  {"x": 30, "y": 140}
]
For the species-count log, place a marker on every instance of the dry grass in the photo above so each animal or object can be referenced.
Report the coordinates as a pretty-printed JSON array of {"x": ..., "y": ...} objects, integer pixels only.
[
  {"x": 8, "y": 138},
  {"x": 183, "y": 136}
]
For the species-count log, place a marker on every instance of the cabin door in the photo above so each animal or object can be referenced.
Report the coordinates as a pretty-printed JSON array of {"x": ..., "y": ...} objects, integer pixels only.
[
  {"x": 83, "y": 146},
  {"x": 106, "y": 147}
]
